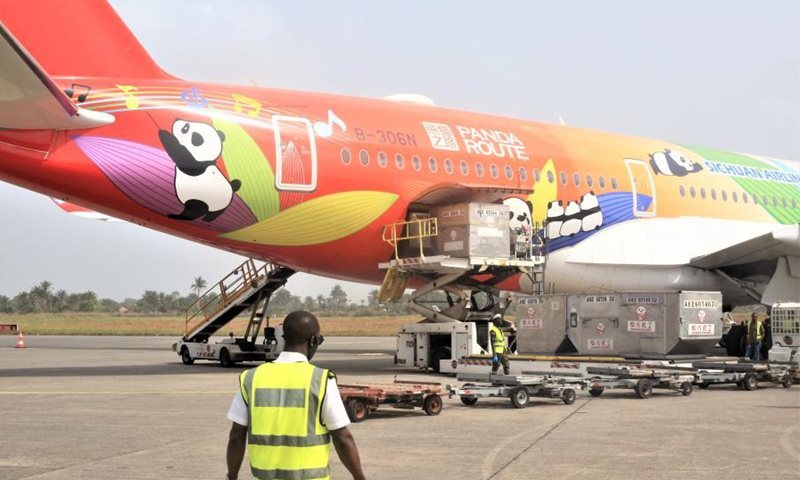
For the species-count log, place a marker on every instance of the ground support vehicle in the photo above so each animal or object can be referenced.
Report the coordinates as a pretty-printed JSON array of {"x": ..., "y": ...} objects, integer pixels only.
[
  {"x": 247, "y": 287},
  {"x": 518, "y": 388},
  {"x": 361, "y": 399},
  {"x": 641, "y": 380},
  {"x": 745, "y": 374}
]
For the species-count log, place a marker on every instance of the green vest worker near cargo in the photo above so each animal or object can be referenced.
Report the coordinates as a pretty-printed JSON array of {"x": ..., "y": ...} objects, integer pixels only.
[
  {"x": 498, "y": 342},
  {"x": 287, "y": 412}
]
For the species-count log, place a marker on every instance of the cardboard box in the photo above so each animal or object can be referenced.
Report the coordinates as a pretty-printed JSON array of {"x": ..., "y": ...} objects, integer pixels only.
[{"x": 473, "y": 230}]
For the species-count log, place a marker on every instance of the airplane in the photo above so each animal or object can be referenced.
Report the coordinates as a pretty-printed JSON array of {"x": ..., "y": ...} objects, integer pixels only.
[{"x": 309, "y": 180}]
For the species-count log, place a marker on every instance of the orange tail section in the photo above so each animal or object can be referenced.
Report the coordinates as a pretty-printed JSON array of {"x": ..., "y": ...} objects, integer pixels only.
[{"x": 81, "y": 38}]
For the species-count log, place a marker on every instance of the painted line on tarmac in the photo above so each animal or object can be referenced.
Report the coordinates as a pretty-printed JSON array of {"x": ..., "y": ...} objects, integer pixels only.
[
  {"x": 489, "y": 459},
  {"x": 112, "y": 392}
]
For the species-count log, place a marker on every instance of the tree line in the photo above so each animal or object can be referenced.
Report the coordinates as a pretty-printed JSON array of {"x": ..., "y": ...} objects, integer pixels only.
[{"x": 44, "y": 298}]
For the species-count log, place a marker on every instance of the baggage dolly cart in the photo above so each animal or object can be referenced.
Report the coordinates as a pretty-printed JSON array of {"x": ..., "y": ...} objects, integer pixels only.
[
  {"x": 642, "y": 381},
  {"x": 519, "y": 388},
  {"x": 744, "y": 374},
  {"x": 361, "y": 399}
]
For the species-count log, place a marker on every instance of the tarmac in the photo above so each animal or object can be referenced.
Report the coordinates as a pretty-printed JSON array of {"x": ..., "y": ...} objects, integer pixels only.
[{"x": 125, "y": 407}]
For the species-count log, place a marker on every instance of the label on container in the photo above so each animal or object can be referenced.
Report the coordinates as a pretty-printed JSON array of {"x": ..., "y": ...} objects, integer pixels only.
[
  {"x": 701, "y": 329},
  {"x": 641, "y": 326}
]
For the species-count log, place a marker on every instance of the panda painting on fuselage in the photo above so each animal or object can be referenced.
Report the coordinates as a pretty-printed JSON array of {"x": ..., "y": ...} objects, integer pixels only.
[
  {"x": 200, "y": 186},
  {"x": 673, "y": 164}
]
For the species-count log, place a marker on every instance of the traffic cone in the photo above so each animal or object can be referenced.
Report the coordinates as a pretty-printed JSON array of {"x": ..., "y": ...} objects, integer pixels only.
[{"x": 20, "y": 341}]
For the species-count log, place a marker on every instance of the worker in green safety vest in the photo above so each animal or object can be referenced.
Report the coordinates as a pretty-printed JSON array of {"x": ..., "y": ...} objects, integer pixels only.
[
  {"x": 287, "y": 412},
  {"x": 498, "y": 343},
  {"x": 755, "y": 332}
]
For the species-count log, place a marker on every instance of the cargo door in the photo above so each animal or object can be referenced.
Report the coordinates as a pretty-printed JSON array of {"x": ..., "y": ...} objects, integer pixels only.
[
  {"x": 295, "y": 154},
  {"x": 462, "y": 345},
  {"x": 643, "y": 188}
]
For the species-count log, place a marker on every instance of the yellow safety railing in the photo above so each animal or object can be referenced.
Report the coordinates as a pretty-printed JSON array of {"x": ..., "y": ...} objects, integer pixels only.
[
  {"x": 245, "y": 277},
  {"x": 410, "y": 230}
]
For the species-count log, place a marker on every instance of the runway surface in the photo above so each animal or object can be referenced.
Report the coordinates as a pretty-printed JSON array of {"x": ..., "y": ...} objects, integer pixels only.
[{"x": 125, "y": 407}]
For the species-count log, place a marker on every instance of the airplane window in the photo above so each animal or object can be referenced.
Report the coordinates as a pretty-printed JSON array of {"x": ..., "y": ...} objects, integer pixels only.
[
  {"x": 614, "y": 184},
  {"x": 399, "y": 161},
  {"x": 550, "y": 177},
  {"x": 602, "y": 182},
  {"x": 724, "y": 194},
  {"x": 794, "y": 203},
  {"x": 382, "y": 160},
  {"x": 364, "y": 157},
  {"x": 764, "y": 202},
  {"x": 589, "y": 181},
  {"x": 494, "y": 170},
  {"x": 464, "y": 167},
  {"x": 774, "y": 201},
  {"x": 692, "y": 192},
  {"x": 536, "y": 175},
  {"x": 783, "y": 201},
  {"x": 448, "y": 166},
  {"x": 576, "y": 179},
  {"x": 713, "y": 194},
  {"x": 744, "y": 197},
  {"x": 755, "y": 199},
  {"x": 479, "y": 169},
  {"x": 416, "y": 163},
  {"x": 683, "y": 191},
  {"x": 346, "y": 156},
  {"x": 703, "y": 193},
  {"x": 523, "y": 174},
  {"x": 433, "y": 165},
  {"x": 509, "y": 172},
  {"x": 563, "y": 177},
  {"x": 735, "y": 197}
]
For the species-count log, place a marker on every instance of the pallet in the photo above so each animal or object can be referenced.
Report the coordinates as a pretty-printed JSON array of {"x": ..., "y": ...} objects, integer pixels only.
[{"x": 361, "y": 399}]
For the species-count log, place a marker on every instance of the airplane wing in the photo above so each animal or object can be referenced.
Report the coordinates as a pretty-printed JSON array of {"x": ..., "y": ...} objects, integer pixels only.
[
  {"x": 781, "y": 242},
  {"x": 82, "y": 212},
  {"x": 31, "y": 100}
]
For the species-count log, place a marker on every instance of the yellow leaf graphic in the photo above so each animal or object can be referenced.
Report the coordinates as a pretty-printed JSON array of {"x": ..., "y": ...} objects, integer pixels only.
[
  {"x": 544, "y": 192},
  {"x": 319, "y": 220},
  {"x": 245, "y": 161}
]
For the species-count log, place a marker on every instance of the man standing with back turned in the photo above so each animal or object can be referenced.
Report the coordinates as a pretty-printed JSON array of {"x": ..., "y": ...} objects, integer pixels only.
[{"x": 288, "y": 411}]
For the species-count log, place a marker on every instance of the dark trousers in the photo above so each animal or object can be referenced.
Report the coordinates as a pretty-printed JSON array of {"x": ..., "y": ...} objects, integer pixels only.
[{"x": 502, "y": 358}]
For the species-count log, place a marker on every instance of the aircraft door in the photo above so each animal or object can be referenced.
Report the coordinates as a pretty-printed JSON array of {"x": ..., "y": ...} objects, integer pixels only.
[
  {"x": 295, "y": 154},
  {"x": 642, "y": 188}
]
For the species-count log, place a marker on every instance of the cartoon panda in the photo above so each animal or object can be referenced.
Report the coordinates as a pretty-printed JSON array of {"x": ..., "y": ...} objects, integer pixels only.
[
  {"x": 591, "y": 213},
  {"x": 199, "y": 184},
  {"x": 673, "y": 164},
  {"x": 519, "y": 215},
  {"x": 572, "y": 221},
  {"x": 555, "y": 218}
]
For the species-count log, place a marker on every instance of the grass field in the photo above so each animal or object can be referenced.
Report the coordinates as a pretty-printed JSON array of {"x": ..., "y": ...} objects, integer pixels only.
[{"x": 105, "y": 324}]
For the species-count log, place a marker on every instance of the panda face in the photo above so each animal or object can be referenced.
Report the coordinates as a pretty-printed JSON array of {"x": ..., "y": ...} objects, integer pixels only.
[
  {"x": 519, "y": 214},
  {"x": 200, "y": 139},
  {"x": 683, "y": 162}
]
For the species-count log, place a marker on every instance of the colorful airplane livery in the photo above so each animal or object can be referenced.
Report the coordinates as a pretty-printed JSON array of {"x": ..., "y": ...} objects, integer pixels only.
[{"x": 309, "y": 180}]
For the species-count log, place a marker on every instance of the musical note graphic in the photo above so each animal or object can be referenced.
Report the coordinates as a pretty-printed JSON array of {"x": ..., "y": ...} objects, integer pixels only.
[
  {"x": 193, "y": 98},
  {"x": 82, "y": 97},
  {"x": 130, "y": 101},
  {"x": 242, "y": 102},
  {"x": 325, "y": 130}
]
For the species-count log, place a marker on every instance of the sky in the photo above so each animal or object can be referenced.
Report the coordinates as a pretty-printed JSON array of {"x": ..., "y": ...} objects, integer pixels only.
[{"x": 716, "y": 73}]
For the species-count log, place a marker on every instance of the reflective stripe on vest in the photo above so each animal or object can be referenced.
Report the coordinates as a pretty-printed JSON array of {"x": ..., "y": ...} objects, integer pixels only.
[
  {"x": 499, "y": 342},
  {"x": 286, "y": 439}
]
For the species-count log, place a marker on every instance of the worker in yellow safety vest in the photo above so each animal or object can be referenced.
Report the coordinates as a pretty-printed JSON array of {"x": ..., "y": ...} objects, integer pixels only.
[
  {"x": 287, "y": 412},
  {"x": 755, "y": 332},
  {"x": 498, "y": 342}
]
